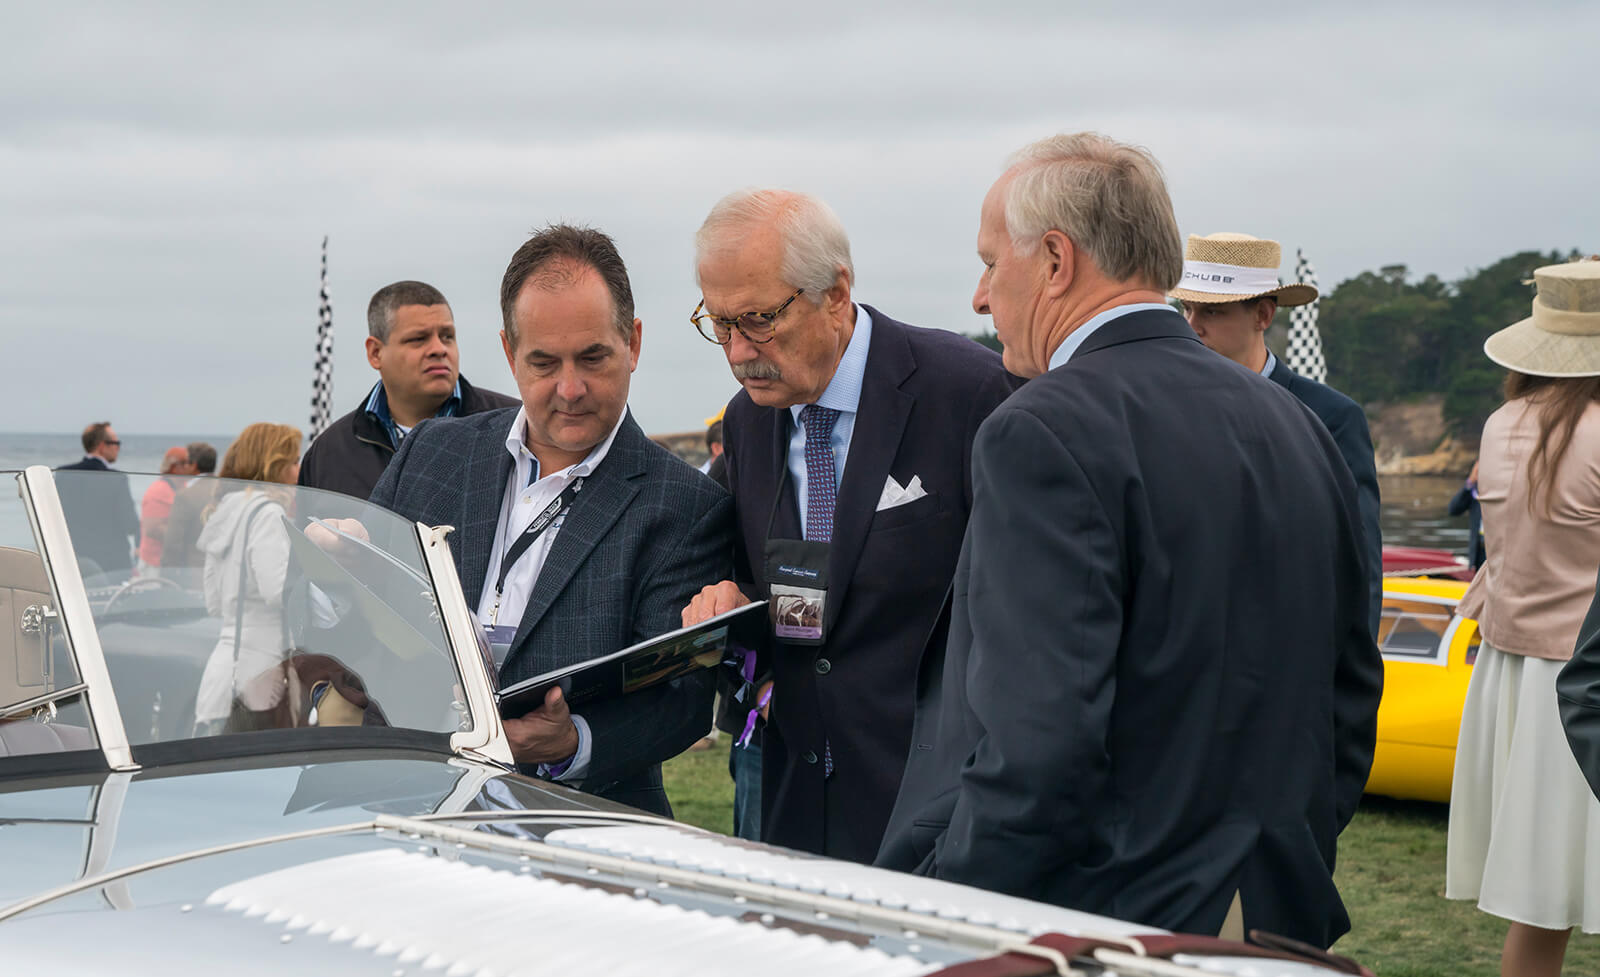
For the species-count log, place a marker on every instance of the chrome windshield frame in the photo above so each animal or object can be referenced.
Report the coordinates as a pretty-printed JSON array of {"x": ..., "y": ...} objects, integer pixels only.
[
  {"x": 484, "y": 739},
  {"x": 50, "y": 533},
  {"x": 487, "y": 736}
]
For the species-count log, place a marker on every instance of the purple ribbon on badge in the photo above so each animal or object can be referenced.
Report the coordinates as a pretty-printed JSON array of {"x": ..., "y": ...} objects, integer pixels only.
[
  {"x": 750, "y": 720},
  {"x": 747, "y": 671}
]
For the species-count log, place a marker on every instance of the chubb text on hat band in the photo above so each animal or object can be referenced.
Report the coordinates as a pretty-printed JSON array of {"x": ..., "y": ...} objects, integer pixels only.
[{"x": 1204, "y": 276}]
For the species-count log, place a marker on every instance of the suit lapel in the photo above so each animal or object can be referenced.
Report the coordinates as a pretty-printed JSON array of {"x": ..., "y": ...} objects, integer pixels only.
[
  {"x": 1283, "y": 376},
  {"x": 488, "y": 469},
  {"x": 880, "y": 422},
  {"x": 600, "y": 503}
]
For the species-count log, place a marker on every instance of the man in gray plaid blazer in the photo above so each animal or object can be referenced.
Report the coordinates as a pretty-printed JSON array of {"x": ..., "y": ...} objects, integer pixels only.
[{"x": 638, "y": 531}]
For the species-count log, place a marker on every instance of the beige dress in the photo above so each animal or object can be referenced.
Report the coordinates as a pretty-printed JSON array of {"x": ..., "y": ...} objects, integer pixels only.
[{"x": 1524, "y": 826}]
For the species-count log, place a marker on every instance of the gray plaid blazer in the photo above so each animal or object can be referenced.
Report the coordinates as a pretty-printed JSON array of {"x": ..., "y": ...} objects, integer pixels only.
[{"x": 644, "y": 535}]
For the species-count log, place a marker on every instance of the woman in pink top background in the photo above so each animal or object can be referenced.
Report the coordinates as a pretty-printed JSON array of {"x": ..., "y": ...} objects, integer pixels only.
[{"x": 1524, "y": 826}]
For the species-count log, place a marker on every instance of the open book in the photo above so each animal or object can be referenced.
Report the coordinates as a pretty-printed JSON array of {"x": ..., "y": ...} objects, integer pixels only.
[{"x": 640, "y": 666}]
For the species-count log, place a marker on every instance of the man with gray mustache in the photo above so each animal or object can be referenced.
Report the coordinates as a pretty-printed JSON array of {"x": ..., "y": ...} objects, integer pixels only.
[{"x": 847, "y": 454}]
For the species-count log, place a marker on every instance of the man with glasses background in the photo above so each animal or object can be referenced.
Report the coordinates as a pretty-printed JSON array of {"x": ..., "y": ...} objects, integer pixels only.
[
  {"x": 104, "y": 503},
  {"x": 847, "y": 455}
]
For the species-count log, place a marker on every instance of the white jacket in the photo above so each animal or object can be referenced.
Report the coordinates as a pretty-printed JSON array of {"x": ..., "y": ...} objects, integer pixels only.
[{"x": 244, "y": 662}]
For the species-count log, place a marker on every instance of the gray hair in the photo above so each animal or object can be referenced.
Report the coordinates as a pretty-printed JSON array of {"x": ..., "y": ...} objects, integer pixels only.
[
  {"x": 1107, "y": 197},
  {"x": 816, "y": 250},
  {"x": 388, "y": 299}
]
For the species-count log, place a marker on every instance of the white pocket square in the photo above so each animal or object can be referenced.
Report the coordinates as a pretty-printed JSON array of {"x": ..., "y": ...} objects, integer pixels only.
[{"x": 896, "y": 495}]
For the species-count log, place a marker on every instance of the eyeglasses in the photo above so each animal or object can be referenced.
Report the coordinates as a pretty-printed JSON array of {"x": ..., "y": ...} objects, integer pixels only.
[
  {"x": 757, "y": 327},
  {"x": 113, "y": 442}
]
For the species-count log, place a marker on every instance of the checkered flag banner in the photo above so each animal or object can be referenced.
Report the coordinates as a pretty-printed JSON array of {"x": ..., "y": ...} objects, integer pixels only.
[
  {"x": 1305, "y": 342},
  {"x": 322, "y": 380}
]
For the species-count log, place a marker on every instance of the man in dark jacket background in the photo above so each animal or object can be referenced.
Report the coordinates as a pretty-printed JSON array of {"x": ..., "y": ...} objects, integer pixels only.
[
  {"x": 1230, "y": 294},
  {"x": 411, "y": 342}
]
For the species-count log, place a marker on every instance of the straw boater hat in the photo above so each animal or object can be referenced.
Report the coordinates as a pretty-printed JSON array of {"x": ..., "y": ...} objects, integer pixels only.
[
  {"x": 1562, "y": 337},
  {"x": 1235, "y": 268}
]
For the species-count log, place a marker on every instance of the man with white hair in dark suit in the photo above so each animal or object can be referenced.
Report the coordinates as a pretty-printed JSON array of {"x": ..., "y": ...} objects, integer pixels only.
[{"x": 1159, "y": 699}]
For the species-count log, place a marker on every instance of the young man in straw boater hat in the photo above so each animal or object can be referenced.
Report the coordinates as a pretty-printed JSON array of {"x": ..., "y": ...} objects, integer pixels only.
[{"x": 1230, "y": 292}]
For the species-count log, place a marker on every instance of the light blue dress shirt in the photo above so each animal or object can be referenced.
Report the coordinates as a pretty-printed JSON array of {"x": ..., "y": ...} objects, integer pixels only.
[
  {"x": 843, "y": 395},
  {"x": 1080, "y": 335},
  {"x": 378, "y": 407},
  {"x": 1270, "y": 365}
]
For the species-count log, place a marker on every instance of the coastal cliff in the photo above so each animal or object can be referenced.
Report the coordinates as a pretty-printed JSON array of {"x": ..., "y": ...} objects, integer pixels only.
[{"x": 1413, "y": 438}]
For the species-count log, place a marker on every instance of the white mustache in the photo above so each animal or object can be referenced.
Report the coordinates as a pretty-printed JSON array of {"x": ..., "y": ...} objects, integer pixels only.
[{"x": 757, "y": 370}]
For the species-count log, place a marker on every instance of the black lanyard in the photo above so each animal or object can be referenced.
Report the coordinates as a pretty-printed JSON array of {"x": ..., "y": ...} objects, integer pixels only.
[{"x": 531, "y": 535}]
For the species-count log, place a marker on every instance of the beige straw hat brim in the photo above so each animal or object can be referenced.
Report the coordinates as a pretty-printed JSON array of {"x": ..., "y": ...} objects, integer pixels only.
[
  {"x": 1289, "y": 295},
  {"x": 1562, "y": 337},
  {"x": 1236, "y": 259},
  {"x": 1525, "y": 348}
]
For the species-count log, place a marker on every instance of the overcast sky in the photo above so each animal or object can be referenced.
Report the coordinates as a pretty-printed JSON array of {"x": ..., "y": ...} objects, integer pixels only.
[{"x": 168, "y": 170}]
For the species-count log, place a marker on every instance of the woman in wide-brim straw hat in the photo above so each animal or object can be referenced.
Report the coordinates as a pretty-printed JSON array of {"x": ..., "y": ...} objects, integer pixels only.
[{"x": 1524, "y": 826}]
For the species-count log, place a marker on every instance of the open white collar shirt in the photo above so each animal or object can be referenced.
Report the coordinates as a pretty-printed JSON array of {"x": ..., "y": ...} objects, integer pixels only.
[
  {"x": 527, "y": 493},
  {"x": 843, "y": 395}
]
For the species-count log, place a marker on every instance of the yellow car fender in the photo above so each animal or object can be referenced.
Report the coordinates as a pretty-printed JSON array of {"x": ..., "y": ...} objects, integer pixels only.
[{"x": 1428, "y": 651}]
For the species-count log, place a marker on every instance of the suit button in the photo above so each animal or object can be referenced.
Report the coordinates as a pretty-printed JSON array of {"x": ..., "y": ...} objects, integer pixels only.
[
  {"x": 809, "y": 757},
  {"x": 824, "y": 666}
]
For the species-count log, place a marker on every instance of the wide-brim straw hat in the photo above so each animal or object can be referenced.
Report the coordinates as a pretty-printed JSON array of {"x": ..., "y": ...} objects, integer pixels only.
[
  {"x": 1236, "y": 268},
  {"x": 1562, "y": 337}
]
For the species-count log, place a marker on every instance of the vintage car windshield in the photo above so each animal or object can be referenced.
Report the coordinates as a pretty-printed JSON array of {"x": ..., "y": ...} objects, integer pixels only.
[
  {"x": 226, "y": 606},
  {"x": 43, "y": 702}
]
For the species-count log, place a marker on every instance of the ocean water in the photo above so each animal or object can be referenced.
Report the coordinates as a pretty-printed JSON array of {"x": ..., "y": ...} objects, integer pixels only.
[
  {"x": 1413, "y": 507},
  {"x": 140, "y": 453}
]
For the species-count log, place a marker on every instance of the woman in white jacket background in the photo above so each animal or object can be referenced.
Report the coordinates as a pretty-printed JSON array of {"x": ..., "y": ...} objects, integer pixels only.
[{"x": 246, "y": 551}]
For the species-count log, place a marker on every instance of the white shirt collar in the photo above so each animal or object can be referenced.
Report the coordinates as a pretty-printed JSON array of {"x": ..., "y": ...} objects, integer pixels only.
[
  {"x": 844, "y": 390},
  {"x": 527, "y": 463},
  {"x": 1077, "y": 337},
  {"x": 1270, "y": 365}
]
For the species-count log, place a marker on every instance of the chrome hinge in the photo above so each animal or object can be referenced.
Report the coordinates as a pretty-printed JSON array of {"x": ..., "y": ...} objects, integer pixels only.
[{"x": 34, "y": 617}]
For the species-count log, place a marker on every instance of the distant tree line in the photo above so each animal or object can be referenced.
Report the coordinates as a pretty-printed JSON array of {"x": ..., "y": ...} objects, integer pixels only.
[{"x": 1390, "y": 339}]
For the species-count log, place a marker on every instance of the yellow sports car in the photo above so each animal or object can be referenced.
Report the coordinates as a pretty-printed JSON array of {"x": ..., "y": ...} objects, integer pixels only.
[{"x": 1428, "y": 651}]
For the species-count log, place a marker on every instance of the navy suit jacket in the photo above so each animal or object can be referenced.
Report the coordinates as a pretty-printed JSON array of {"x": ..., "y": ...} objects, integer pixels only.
[
  {"x": 102, "y": 514},
  {"x": 924, "y": 393},
  {"x": 643, "y": 537},
  {"x": 1159, "y": 687},
  {"x": 1347, "y": 422}
]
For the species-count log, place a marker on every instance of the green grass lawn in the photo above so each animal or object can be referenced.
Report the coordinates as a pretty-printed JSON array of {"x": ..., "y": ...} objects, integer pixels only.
[{"x": 1391, "y": 874}]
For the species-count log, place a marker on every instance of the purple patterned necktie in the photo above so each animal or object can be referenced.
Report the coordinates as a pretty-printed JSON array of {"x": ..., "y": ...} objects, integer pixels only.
[
  {"x": 821, "y": 493},
  {"x": 821, "y": 481}
]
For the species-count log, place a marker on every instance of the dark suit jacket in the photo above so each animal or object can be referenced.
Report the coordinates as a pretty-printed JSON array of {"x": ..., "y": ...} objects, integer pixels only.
[
  {"x": 1347, "y": 422},
  {"x": 641, "y": 539},
  {"x": 352, "y": 453},
  {"x": 923, "y": 396},
  {"x": 1578, "y": 694},
  {"x": 1159, "y": 687},
  {"x": 1464, "y": 503},
  {"x": 101, "y": 512}
]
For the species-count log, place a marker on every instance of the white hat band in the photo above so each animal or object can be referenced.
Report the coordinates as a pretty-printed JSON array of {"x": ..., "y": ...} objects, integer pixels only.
[{"x": 1204, "y": 276}]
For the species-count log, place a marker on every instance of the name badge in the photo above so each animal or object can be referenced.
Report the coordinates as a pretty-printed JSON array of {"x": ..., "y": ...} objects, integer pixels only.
[
  {"x": 499, "y": 639},
  {"x": 797, "y": 579}
]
